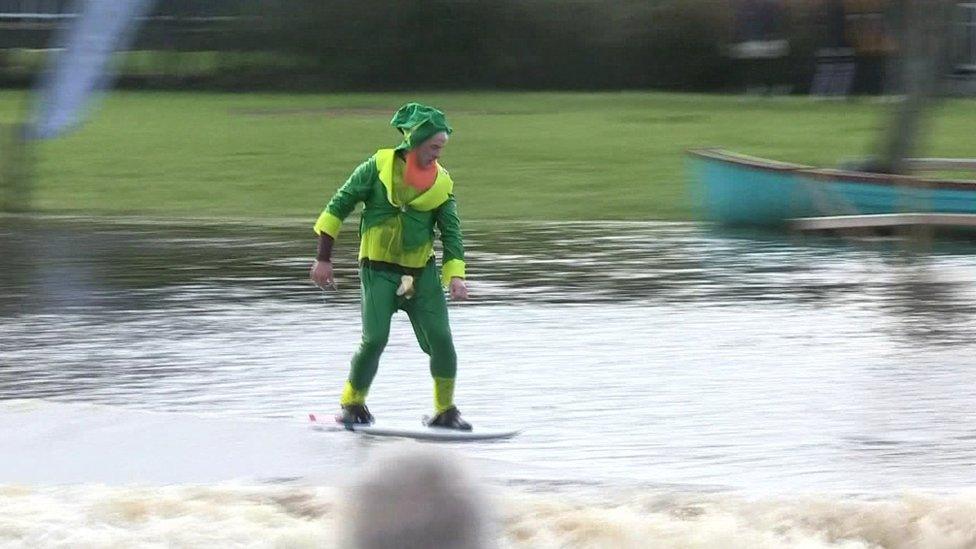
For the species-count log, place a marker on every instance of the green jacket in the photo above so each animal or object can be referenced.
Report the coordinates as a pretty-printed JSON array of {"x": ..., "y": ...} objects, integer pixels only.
[{"x": 402, "y": 234}]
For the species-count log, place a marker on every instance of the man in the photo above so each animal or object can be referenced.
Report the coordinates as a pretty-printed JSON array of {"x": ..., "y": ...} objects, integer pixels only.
[{"x": 406, "y": 193}]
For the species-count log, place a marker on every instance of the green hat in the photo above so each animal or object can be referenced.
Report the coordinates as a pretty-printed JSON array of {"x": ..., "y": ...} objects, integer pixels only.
[{"x": 418, "y": 123}]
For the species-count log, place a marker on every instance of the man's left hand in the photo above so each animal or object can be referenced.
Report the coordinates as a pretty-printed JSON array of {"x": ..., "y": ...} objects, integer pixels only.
[{"x": 459, "y": 291}]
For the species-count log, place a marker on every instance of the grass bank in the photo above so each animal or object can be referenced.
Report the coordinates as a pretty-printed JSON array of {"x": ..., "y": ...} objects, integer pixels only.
[{"x": 536, "y": 156}]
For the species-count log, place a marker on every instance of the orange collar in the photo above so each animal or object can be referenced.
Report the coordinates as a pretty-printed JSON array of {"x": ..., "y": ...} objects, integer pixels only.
[{"x": 416, "y": 176}]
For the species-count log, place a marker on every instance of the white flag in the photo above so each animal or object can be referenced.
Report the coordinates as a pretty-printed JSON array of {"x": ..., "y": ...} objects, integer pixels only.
[{"x": 82, "y": 65}]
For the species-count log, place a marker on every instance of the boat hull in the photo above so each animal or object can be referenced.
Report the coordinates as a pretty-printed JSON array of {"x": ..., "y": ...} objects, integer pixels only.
[{"x": 733, "y": 189}]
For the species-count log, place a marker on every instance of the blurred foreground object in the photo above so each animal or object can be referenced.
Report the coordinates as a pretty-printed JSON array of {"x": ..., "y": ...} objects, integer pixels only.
[
  {"x": 81, "y": 65},
  {"x": 922, "y": 28},
  {"x": 409, "y": 496}
]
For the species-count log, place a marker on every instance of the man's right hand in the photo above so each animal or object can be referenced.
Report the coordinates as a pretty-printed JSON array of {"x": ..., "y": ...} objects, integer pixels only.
[{"x": 321, "y": 274}]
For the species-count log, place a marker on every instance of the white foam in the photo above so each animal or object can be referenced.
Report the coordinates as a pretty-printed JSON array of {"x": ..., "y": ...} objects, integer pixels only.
[
  {"x": 175, "y": 516},
  {"x": 278, "y": 516},
  {"x": 722, "y": 521}
]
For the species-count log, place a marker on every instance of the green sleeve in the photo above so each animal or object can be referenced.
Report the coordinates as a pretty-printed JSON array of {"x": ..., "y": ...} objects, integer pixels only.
[
  {"x": 449, "y": 225},
  {"x": 352, "y": 192}
]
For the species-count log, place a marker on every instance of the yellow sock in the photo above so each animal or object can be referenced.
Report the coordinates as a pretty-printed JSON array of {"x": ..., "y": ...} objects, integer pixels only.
[
  {"x": 443, "y": 393},
  {"x": 351, "y": 395}
]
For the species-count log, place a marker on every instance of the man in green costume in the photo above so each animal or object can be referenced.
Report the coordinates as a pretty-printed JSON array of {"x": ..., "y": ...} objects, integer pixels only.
[{"x": 406, "y": 193}]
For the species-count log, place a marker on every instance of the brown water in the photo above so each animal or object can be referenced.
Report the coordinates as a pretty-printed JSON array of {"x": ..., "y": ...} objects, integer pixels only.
[
  {"x": 659, "y": 353},
  {"x": 636, "y": 357}
]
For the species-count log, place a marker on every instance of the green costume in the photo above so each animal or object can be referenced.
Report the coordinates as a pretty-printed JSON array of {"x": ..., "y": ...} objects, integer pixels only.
[{"x": 397, "y": 239}]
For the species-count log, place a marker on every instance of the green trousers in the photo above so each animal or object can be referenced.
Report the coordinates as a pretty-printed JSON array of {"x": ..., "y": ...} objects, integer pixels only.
[{"x": 427, "y": 310}]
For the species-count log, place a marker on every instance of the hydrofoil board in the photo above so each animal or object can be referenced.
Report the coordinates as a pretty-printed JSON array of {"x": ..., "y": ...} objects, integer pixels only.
[{"x": 420, "y": 432}]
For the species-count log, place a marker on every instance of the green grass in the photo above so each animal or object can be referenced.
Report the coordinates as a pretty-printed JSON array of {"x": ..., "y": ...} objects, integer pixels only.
[{"x": 536, "y": 156}]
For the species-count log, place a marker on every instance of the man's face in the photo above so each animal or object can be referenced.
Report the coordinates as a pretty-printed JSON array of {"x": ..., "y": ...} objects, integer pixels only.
[{"x": 430, "y": 150}]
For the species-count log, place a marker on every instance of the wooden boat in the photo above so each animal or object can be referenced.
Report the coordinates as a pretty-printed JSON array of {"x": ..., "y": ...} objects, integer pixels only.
[{"x": 734, "y": 189}]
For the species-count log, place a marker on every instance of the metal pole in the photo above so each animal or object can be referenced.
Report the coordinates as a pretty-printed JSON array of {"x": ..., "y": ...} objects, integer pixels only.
[{"x": 15, "y": 173}]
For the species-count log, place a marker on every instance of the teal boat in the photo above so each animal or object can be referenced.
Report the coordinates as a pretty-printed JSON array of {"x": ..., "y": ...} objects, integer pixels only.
[{"x": 734, "y": 189}]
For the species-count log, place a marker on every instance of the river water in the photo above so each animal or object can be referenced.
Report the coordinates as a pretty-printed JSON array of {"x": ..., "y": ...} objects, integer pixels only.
[{"x": 676, "y": 386}]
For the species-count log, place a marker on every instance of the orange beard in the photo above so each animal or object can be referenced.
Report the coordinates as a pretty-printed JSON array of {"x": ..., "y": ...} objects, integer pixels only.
[{"x": 417, "y": 177}]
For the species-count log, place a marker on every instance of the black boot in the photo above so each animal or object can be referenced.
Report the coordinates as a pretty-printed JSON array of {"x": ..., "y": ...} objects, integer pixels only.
[
  {"x": 354, "y": 414},
  {"x": 448, "y": 419}
]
